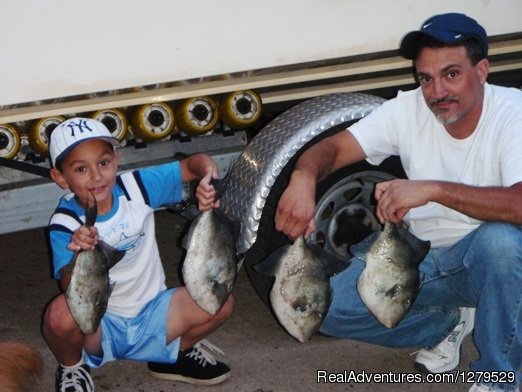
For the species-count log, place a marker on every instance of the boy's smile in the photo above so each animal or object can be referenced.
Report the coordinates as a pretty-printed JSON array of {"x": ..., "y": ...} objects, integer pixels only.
[{"x": 90, "y": 167}]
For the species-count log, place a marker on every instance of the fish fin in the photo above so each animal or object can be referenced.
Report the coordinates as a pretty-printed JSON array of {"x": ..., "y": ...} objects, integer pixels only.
[
  {"x": 112, "y": 255},
  {"x": 220, "y": 292},
  {"x": 240, "y": 263},
  {"x": 361, "y": 249},
  {"x": 220, "y": 185},
  {"x": 268, "y": 266},
  {"x": 333, "y": 264},
  {"x": 235, "y": 227},
  {"x": 185, "y": 241},
  {"x": 111, "y": 287},
  {"x": 420, "y": 247},
  {"x": 91, "y": 212}
]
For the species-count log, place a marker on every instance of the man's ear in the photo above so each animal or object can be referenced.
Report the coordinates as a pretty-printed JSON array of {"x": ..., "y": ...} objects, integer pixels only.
[
  {"x": 483, "y": 69},
  {"x": 58, "y": 178}
]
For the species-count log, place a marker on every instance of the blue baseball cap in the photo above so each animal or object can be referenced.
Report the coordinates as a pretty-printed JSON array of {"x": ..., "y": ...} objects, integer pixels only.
[{"x": 450, "y": 28}]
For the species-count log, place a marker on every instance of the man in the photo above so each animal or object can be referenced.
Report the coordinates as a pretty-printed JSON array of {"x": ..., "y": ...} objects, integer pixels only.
[{"x": 460, "y": 142}]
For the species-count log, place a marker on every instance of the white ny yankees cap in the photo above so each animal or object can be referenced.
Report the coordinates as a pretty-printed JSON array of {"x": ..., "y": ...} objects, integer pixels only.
[{"x": 72, "y": 132}]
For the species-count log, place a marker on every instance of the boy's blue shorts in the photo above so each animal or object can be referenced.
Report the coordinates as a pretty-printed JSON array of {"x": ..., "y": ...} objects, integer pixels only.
[{"x": 140, "y": 338}]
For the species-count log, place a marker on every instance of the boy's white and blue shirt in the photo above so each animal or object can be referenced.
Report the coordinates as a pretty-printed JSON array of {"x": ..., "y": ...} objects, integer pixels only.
[{"x": 129, "y": 226}]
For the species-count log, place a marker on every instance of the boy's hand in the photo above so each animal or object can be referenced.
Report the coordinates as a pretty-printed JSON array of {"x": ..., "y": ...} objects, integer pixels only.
[
  {"x": 206, "y": 194},
  {"x": 84, "y": 238}
]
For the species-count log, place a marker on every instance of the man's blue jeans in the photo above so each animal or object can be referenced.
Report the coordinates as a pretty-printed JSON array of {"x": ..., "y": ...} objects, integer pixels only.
[{"x": 483, "y": 270}]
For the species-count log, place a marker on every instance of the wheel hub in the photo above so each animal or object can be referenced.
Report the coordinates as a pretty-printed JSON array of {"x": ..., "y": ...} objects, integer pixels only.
[{"x": 345, "y": 214}]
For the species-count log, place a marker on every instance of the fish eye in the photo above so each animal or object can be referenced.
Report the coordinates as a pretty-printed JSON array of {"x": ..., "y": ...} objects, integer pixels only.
[{"x": 300, "y": 306}]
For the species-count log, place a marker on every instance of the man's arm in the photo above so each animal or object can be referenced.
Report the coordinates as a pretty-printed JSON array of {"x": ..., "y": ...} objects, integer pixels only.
[
  {"x": 296, "y": 208},
  {"x": 502, "y": 204}
]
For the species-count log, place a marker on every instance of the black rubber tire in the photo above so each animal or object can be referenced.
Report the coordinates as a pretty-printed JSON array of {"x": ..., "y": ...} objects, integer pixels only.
[{"x": 268, "y": 239}]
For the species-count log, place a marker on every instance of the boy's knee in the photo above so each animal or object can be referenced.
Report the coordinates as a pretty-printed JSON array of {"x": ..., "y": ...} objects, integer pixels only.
[{"x": 57, "y": 316}]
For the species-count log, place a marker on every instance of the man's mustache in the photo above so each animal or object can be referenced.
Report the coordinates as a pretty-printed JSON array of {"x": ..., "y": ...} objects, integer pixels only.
[{"x": 435, "y": 101}]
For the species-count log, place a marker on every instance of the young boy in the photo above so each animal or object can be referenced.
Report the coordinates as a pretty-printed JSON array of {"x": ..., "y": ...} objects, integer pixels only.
[{"x": 144, "y": 321}]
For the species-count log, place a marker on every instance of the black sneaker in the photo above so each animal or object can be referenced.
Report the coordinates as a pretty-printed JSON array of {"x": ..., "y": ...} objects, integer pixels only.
[
  {"x": 194, "y": 366},
  {"x": 76, "y": 379}
]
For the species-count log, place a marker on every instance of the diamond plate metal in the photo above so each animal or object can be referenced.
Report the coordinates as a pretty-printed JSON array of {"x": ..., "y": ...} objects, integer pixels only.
[{"x": 256, "y": 169}]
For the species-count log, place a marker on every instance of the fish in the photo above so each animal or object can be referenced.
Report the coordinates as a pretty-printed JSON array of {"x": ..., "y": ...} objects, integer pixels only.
[
  {"x": 301, "y": 294},
  {"x": 90, "y": 288},
  {"x": 390, "y": 282},
  {"x": 210, "y": 267}
]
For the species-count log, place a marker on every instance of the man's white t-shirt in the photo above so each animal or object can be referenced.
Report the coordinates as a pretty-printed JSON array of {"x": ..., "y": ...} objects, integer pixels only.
[{"x": 491, "y": 156}]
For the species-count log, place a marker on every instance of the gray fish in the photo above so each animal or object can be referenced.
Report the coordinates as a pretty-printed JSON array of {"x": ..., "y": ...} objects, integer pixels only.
[
  {"x": 390, "y": 281},
  {"x": 209, "y": 269},
  {"x": 89, "y": 289},
  {"x": 301, "y": 294}
]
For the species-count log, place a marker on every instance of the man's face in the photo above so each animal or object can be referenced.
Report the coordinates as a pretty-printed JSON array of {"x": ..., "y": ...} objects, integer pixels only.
[{"x": 452, "y": 86}]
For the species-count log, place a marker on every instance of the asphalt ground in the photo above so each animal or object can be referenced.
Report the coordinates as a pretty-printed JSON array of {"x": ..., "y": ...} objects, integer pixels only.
[{"x": 263, "y": 357}]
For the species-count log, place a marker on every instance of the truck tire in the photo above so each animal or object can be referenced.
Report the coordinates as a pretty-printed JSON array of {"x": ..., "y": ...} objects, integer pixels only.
[{"x": 265, "y": 167}]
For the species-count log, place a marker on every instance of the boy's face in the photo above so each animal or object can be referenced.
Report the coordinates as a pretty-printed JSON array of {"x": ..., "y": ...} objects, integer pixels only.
[{"x": 89, "y": 168}]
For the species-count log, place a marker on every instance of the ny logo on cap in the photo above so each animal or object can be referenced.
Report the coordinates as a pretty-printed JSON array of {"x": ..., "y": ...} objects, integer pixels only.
[{"x": 79, "y": 126}]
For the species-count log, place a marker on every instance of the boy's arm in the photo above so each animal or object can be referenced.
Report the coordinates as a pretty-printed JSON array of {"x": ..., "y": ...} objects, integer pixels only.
[{"x": 198, "y": 166}]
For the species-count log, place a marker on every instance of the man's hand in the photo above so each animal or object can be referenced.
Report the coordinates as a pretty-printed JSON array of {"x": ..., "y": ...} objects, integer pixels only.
[
  {"x": 296, "y": 208},
  {"x": 396, "y": 197}
]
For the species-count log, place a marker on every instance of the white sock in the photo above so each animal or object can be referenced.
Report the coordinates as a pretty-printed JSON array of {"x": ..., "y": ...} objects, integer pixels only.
[{"x": 80, "y": 363}]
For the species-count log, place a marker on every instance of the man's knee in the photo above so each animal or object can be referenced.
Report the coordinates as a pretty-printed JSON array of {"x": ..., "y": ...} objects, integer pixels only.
[
  {"x": 498, "y": 247},
  {"x": 499, "y": 238}
]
